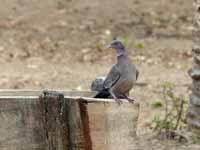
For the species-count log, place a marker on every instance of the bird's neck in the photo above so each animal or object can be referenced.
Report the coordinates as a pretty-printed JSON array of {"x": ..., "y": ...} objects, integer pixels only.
[
  {"x": 122, "y": 58},
  {"x": 121, "y": 52}
]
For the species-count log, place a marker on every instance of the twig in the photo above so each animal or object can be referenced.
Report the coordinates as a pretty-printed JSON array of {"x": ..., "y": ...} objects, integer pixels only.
[{"x": 180, "y": 112}]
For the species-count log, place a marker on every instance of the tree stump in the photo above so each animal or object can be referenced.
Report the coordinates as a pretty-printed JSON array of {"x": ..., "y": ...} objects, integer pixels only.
[{"x": 70, "y": 121}]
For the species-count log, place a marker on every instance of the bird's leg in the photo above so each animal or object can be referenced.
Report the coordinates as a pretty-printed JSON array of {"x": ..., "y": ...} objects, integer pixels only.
[
  {"x": 116, "y": 99},
  {"x": 131, "y": 100}
]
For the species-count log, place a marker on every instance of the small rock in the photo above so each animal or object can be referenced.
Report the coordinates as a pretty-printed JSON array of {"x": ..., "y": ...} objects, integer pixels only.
[
  {"x": 107, "y": 32},
  {"x": 85, "y": 50},
  {"x": 32, "y": 66},
  {"x": 87, "y": 57},
  {"x": 79, "y": 88},
  {"x": 2, "y": 48}
]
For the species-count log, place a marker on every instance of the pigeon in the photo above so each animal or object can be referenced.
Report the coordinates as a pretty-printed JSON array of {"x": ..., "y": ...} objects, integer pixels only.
[{"x": 121, "y": 77}]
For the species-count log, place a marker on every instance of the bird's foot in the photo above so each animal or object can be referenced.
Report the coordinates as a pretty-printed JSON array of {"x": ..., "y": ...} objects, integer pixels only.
[
  {"x": 131, "y": 100},
  {"x": 118, "y": 101},
  {"x": 116, "y": 98}
]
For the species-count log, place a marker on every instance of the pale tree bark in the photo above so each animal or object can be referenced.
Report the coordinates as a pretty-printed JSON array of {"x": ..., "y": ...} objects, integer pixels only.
[{"x": 193, "y": 116}]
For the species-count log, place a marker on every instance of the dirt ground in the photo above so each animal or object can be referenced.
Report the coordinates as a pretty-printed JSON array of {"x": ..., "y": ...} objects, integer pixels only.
[{"x": 60, "y": 44}]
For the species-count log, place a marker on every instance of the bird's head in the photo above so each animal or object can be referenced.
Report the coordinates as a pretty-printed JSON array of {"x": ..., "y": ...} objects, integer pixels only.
[{"x": 118, "y": 46}]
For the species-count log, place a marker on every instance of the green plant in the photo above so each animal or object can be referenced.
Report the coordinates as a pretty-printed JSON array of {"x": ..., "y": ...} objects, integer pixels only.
[
  {"x": 174, "y": 110},
  {"x": 157, "y": 104},
  {"x": 162, "y": 124},
  {"x": 196, "y": 139},
  {"x": 139, "y": 46}
]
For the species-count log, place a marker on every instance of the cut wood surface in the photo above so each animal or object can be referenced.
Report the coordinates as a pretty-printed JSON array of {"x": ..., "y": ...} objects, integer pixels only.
[
  {"x": 29, "y": 92},
  {"x": 72, "y": 123}
]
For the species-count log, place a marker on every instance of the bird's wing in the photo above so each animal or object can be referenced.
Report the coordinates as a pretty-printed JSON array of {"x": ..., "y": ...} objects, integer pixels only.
[
  {"x": 137, "y": 74},
  {"x": 112, "y": 77}
]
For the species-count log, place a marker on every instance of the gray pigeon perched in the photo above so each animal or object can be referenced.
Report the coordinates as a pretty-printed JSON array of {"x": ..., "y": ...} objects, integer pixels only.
[{"x": 121, "y": 77}]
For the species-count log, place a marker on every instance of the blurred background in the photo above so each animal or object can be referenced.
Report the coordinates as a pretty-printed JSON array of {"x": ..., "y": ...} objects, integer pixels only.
[{"x": 60, "y": 44}]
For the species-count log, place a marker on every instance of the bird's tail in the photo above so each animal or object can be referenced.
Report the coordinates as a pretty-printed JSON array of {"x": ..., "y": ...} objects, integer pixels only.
[{"x": 103, "y": 94}]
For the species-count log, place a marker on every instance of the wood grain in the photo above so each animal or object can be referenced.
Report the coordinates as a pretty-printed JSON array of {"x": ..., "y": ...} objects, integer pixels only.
[{"x": 72, "y": 123}]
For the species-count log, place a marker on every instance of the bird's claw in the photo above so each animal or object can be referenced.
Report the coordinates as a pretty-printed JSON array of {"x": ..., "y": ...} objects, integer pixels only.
[
  {"x": 131, "y": 100},
  {"x": 119, "y": 102}
]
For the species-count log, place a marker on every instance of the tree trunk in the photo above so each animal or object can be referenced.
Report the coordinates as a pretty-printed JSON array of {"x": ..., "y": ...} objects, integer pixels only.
[{"x": 193, "y": 115}]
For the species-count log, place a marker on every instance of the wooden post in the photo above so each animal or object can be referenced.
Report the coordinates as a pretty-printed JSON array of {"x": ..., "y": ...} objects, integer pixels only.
[
  {"x": 21, "y": 127},
  {"x": 51, "y": 106},
  {"x": 69, "y": 122},
  {"x": 75, "y": 130},
  {"x": 113, "y": 127}
]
